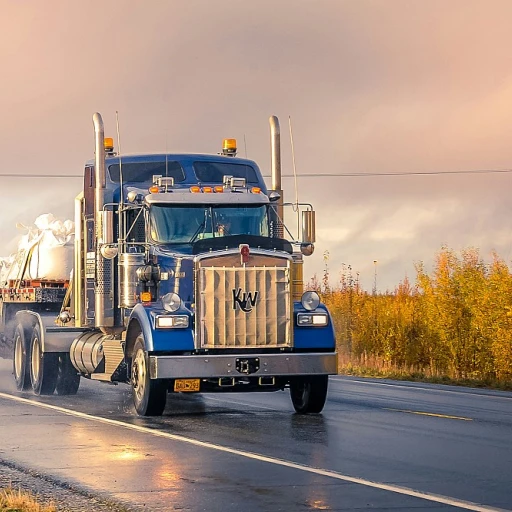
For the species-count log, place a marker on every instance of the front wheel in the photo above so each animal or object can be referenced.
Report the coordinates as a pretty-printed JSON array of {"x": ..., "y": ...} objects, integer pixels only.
[
  {"x": 149, "y": 395},
  {"x": 21, "y": 359},
  {"x": 308, "y": 394},
  {"x": 43, "y": 366}
]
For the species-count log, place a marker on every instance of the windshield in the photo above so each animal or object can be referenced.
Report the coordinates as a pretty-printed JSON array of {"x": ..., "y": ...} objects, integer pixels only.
[{"x": 187, "y": 224}]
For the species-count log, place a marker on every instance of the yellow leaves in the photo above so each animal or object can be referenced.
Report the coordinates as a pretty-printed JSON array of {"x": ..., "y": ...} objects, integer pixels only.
[{"x": 457, "y": 320}]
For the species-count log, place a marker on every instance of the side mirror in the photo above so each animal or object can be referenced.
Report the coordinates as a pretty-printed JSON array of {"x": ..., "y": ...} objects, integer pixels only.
[
  {"x": 308, "y": 227},
  {"x": 274, "y": 196}
]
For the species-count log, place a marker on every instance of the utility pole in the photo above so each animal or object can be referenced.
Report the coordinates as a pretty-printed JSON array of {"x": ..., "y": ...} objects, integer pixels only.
[{"x": 374, "y": 278}]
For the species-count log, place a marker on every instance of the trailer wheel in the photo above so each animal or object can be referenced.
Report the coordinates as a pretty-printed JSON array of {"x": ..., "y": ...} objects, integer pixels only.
[
  {"x": 68, "y": 378},
  {"x": 149, "y": 395},
  {"x": 43, "y": 366},
  {"x": 308, "y": 394},
  {"x": 20, "y": 360}
]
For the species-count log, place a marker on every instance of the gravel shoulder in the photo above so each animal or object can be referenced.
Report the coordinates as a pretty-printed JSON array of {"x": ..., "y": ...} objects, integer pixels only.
[
  {"x": 47, "y": 490},
  {"x": 65, "y": 497}
]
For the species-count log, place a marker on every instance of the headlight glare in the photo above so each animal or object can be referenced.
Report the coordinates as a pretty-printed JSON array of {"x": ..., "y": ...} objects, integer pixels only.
[
  {"x": 310, "y": 300},
  {"x": 171, "y": 302},
  {"x": 172, "y": 322}
]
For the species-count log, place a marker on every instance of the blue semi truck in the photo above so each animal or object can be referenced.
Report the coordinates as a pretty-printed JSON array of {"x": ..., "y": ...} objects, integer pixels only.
[{"x": 183, "y": 281}]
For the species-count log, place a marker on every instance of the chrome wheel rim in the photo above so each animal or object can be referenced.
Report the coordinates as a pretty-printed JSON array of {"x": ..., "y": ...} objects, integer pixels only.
[
  {"x": 36, "y": 355},
  {"x": 139, "y": 375},
  {"x": 18, "y": 356}
]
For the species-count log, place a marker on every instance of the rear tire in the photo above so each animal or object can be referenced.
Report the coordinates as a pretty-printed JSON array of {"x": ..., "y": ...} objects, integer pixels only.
[
  {"x": 68, "y": 378},
  {"x": 309, "y": 394},
  {"x": 43, "y": 366},
  {"x": 21, "y": 359},
  {"x": 149, "y": 395}
]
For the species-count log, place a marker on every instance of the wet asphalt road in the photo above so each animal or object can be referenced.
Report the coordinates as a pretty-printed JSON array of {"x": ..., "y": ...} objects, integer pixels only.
[{"x": 436, "y": 440}]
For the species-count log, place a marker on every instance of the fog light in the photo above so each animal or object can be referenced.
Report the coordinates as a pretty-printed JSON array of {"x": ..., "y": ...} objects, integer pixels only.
[
  {"x": 171, "y": 302},
  {"x": 310, "y": 300}
]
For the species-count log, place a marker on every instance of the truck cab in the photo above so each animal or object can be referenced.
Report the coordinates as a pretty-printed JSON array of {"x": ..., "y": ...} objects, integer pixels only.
[{"x": 184, "y": 282}]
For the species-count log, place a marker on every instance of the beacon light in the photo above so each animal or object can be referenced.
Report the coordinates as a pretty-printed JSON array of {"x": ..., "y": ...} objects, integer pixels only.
[
  {"x": 229, "y": 147},
  {"x": 108, "y": 144}
]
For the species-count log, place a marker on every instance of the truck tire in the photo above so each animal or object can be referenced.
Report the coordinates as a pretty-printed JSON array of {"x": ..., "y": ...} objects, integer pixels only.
[
  {"x": 21, "y": 359},
  {"x": 149, "y": 395},
  {"x": 68, "y": 378},
  {"x": 308, "y": 394},
  {"x": 43, "y": 366}
]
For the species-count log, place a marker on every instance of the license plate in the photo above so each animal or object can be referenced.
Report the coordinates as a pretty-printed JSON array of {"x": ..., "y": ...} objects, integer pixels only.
[{"x": 186, "y": 385}]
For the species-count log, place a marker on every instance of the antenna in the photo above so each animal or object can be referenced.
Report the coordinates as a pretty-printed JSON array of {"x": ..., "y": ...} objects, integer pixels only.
[
  {"x": 166, "y": 158},
  {"x": 121, "y": 223},
  {"x": 296, "y": 208}
]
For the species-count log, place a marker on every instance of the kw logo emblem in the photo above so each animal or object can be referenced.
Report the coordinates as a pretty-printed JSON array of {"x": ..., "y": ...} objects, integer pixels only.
[{"x": 245, "y": 301}]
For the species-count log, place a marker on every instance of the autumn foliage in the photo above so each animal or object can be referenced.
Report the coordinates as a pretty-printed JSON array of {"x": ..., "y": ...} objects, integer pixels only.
[{"x": 454, "y": 322}]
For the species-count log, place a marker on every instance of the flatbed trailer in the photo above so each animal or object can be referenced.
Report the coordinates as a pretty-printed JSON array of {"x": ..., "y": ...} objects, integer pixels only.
[
  {"x": 34, "y": 291},
  {"x": 28, "y": 294}
]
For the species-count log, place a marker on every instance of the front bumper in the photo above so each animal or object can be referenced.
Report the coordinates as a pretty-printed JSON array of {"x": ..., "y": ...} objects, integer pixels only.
[{"x": 272, "y": 365}]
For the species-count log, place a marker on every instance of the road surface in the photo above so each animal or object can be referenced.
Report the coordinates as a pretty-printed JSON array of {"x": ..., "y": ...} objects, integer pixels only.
[{"x": 379, "y": 445}]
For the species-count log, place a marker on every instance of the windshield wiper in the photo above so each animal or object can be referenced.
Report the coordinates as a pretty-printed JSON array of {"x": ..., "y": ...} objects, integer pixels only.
[{"x": 202, "y": 227}]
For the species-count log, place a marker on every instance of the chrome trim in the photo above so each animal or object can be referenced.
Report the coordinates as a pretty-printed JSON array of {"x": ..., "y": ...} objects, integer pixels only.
[
  {"x": 217, "y": 366},
  {"x": 103, "y": 289},
  {"x": 275, "y": 155},
  {"x": 220, "y": 322},
  {"x": 230, "y": 198}
]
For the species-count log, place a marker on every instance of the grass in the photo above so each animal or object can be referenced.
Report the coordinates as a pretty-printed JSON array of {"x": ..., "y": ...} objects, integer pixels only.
[
  {"x": 12, "y": 500},
  {"x": 417, "y": 376}
]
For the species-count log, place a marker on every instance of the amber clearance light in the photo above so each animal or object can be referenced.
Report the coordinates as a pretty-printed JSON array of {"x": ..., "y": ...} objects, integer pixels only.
[{"x": 145, "y": 296}]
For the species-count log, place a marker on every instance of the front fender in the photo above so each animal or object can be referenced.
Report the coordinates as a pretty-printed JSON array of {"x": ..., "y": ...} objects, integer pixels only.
[
  {"x": 157, "y": 340},
  {"x": 313, "y": 338}
]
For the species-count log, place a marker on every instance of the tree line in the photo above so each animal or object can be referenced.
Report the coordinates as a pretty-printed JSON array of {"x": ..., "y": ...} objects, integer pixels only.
[{"x": 455, "y": 321}]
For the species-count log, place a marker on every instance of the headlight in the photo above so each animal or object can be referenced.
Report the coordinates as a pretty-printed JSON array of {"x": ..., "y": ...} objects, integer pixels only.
[
  {"x": 171, "y": 302},
  {"x": 172, "y": 322},
  {"x": 312, "y": 319},
  {"x": 310, "y": 300}
]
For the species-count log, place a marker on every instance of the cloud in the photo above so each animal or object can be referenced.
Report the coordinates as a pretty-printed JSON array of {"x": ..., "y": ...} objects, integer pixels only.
[{"x": 371, "y": 86}]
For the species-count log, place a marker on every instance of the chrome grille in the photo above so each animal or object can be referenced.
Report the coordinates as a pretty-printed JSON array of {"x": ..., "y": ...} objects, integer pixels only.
[{"x": 244, "y": 306}]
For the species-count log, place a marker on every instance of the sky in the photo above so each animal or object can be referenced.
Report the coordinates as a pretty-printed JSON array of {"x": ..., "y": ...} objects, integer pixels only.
[{"x": 370, "y": 86}]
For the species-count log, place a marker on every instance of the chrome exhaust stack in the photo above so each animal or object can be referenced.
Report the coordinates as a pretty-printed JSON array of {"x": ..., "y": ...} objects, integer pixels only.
[
  {"x": 103, "y": 288},
  {"x": 275, "y": 153}
]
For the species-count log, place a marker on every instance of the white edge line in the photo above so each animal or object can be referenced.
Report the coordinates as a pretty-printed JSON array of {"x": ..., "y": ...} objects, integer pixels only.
[
  {"x": 340, "y": 379},
  {"x": 467, "y": 505}
]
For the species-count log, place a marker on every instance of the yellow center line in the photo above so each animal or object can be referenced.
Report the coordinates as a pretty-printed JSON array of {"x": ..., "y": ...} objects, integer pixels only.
[{"x": 446, "y": 416}]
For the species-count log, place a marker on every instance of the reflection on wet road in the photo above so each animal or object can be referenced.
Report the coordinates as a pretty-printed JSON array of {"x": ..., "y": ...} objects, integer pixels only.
[{"x": 378, "y": 445}]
